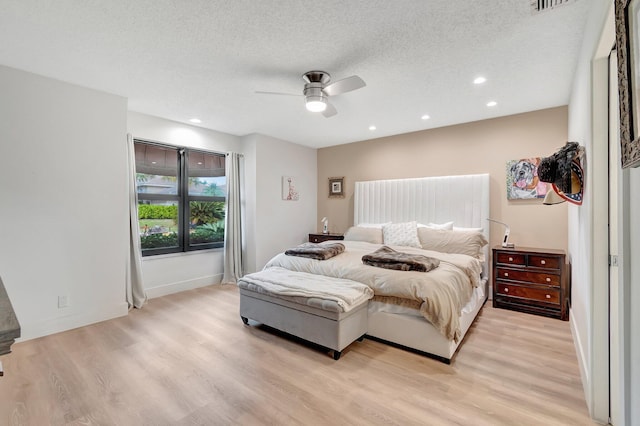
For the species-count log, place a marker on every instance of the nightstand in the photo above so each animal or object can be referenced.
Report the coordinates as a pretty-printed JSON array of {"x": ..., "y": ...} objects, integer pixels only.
[
  {"x": 318, "y": 238},
  {"x": 531, "y": 280}
]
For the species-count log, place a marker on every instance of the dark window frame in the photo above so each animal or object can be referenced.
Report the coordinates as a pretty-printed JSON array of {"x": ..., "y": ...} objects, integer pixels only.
[{"x": 182, "y": 199}]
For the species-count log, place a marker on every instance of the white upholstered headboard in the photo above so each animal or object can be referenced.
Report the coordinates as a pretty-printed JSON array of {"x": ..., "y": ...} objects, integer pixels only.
[{"x": 462, "y": 199}]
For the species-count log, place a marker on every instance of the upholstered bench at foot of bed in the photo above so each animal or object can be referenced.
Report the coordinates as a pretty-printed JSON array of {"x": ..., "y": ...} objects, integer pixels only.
[{"x": 321, "y": 323}]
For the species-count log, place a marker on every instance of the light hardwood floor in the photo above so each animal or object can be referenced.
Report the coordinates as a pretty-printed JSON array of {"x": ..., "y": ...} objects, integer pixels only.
[{"x": 187, "y": 359}]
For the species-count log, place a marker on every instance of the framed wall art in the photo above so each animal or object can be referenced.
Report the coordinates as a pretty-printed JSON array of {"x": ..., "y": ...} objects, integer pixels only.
[
  {"x": 336, "y": 187},
  {"x": 522, "y": 179},
  {"x": 628, "y": 47},
  {"x": 289, "y": 191}
]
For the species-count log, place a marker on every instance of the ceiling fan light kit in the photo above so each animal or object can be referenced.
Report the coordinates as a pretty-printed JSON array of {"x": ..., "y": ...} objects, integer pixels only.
[
  {"x": 315, "y": 99},
  {"x": 315, "y": 104},
  {"x": 317, "y": 91}
]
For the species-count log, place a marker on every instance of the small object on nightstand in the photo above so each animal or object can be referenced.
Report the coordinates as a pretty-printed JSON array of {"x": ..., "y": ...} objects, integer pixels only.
[
  {"x": 325, "y": 225},
  {"x": 318, "y": 238},
  {"x": 532, "y": 280}
]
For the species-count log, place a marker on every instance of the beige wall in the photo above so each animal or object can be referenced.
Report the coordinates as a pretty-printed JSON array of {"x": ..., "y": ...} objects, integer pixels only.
[{"x": 478, "y": 147}]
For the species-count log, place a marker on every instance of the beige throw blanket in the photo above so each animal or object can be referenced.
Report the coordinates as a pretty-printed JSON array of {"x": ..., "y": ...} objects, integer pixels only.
[
  {"x": 388, "y": 258},
  {"x": 316, "y": 251},
  {"x": 442, "y": 292},
  {"x": 283, "y": 282}
]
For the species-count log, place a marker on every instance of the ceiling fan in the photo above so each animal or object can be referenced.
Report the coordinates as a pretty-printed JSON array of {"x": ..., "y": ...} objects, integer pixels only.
[{"x": 318, "y": 88}]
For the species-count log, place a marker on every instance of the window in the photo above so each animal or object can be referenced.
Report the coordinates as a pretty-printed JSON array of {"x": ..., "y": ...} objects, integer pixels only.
[{"x": 181, "y": 198}]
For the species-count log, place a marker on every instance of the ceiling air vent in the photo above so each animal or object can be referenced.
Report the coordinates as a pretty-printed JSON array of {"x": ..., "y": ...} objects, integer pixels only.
[{"x": 542, "y": 5}]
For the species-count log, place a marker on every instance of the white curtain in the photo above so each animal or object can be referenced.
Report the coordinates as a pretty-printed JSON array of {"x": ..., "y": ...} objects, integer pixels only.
[
  {"x": 136, "y": 296},
  {"x": 233, "y": 222}
]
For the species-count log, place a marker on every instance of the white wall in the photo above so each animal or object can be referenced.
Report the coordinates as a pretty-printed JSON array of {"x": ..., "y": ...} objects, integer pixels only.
[
  {"x": 250, "y": 143},
  {"x": 279, "y": 224},
  {"x": 588, "y": 235},
  {"x": 170, "y": 273},
  {"x": 270, "y": 223},
  {"x": 63, "y": 202}
]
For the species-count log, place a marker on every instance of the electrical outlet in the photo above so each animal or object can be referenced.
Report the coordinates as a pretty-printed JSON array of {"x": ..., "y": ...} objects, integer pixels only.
[{"x": 63, "y": 301}]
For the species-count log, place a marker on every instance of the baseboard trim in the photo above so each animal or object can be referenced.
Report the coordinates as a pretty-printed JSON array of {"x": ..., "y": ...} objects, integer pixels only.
[
  {"x": 81, "y": 319},
  {"x": 177, "y": 287},
  {"x": 71, "y": 321},
  {"x": 582, "y": 361}
]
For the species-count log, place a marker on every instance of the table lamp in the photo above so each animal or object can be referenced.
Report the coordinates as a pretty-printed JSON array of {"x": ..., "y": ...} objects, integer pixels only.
[
  {"x": 325, "y": 225},
  {"x": 505, "y": 239}
]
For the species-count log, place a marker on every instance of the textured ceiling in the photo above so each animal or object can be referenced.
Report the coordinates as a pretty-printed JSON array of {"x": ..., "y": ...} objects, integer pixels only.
[{"x": 206, "y": 58}]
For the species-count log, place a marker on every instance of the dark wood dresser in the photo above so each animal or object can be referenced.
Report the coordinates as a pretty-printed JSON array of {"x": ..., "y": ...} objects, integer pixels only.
[
  {"x": 318, "y": 238},
  {"x": 532, "y": 280}
]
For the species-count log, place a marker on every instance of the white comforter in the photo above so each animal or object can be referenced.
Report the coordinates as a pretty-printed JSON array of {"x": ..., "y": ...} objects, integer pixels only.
[{"x": 442, "y": 292}]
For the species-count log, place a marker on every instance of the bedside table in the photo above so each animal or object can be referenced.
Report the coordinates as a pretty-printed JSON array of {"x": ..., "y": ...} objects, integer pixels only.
[
  {"x": 318, "y": 238},
  {"x": 531, "y": 280}
]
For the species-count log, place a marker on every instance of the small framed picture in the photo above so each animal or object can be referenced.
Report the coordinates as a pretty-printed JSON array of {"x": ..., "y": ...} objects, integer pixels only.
[
  {"x": 289, "y": 191},
  {"x": 336, "y": 187}
]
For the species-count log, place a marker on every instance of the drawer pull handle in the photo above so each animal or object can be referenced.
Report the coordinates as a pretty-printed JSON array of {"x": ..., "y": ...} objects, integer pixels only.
[
  {"x": 548, "y": 279},
  {"x": 511, "y": 259},
  {"x": 506, "y": 290},
  {"x": 548, "y": 296},
  {"x": 543, "y": 262},
  {"x": 506, "y": 274}
]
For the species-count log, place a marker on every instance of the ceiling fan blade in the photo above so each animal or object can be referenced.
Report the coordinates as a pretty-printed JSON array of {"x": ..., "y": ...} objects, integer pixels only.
[
  {"x": 345, "y": 85},
  {"x": 330, "y": 111},
  {"x": 276, "y": 93}
]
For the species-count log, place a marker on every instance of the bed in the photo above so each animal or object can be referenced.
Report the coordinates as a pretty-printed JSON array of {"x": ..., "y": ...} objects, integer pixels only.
[{"x": 430, "y": 203}]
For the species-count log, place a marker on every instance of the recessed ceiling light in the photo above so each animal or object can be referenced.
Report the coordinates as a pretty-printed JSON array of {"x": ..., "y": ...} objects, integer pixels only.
[
  {"x": 372, "y": 127},
  {"x": 195, "y": 120},
  {"x": 492, "y": 104},
  {"x": 479, "y": 80},
  {"x": 425, "y": 117}
]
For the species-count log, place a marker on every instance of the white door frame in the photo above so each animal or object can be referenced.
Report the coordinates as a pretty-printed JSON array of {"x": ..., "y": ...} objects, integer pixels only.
[
  {"x": 620, "y": 282},
  {"x": 598, "y": 165},
  {"x": 616, "y": 303}
]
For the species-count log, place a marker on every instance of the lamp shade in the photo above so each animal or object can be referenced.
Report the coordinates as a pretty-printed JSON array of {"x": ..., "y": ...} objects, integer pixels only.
[{"x": 552, "y": 197}]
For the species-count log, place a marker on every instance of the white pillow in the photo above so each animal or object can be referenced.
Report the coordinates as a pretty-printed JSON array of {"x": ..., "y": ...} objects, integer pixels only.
[
  {"x": 447, "y": 225},
  {"x": 401, "y": 234},
  {"x": 462, "y": 242},
  {"x": 455, "y": 228},
  {"x": 372, "y": 225},
  {"x": 363, "y": 233}
]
